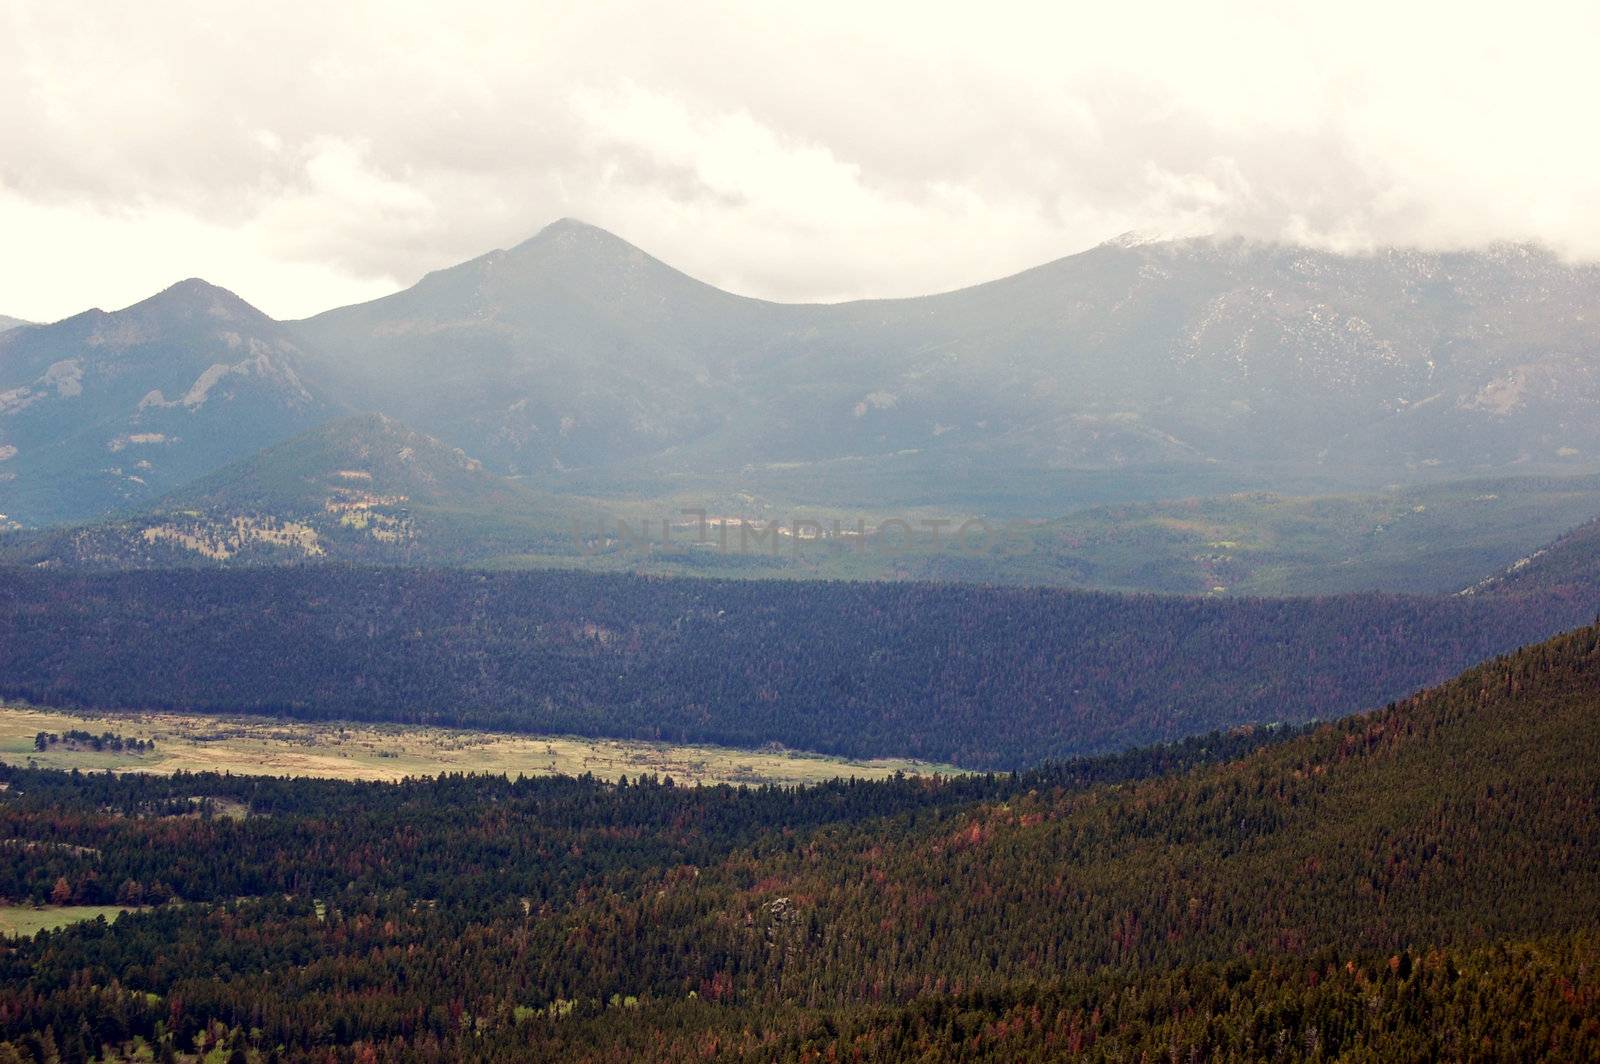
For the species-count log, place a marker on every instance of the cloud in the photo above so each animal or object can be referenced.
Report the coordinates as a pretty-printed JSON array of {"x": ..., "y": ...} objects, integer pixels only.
[{"x": 312, "y": 154}]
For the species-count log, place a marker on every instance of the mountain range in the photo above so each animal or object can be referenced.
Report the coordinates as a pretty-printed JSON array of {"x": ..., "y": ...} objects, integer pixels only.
[
  {"x": 576, "y": 362},
  {"x": 577, "y": 350}
]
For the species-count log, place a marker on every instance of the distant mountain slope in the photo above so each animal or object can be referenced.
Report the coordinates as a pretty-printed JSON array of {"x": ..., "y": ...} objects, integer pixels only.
[
  {"x": 104, "y": 411},
  {"x": 367, "y": 452},
  {"x": 573, "y": 348},
  {"x": 1425, "y": 539},
  {"x": 10, "y": 323},
  {"x": 368, "y": 488},
  {"x": 360, "y": 488},
  {"x": 1264, "y": 363},
  {"x": 1567, "y": 568}
]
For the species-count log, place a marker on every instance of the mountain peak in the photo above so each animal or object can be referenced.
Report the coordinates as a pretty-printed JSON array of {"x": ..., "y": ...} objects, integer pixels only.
[
  {"x": 192, "y": 288},
  {"x": 574, "y": 234},
  {"x": 196, "y": 285},
  {"x": 1133, "y": 238},
  {"x": 569, "y": 224},
  {"x": 1140, "y": 238},
  {"x": 193, "y": 296}
]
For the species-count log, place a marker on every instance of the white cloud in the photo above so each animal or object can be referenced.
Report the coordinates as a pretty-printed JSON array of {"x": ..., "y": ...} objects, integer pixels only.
[
  {"x": 65, "y": 256},
  {"x": 311, "y": 154}
]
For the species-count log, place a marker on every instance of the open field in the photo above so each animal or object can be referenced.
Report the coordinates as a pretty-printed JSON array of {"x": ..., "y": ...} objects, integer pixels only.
[
  {"x": 24, "y": 921},
  {"x": 266, "y": 747}
]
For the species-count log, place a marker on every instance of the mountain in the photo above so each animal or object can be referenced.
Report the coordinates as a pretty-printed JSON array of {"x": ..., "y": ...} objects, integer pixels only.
[
  {"x": 10, "y": 323},
  {"x": 104, "y": 411},
  {"x": 577, "y": 357},
  {"x": 1420, "y": 882},
  {"x": 571, "y": 349},
  {"x": 359, "y": 488}
]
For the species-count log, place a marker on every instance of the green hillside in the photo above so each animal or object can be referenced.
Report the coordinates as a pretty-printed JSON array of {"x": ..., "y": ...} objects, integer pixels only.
[
  {"x": 1436, "y": 538},
  {"x": 1416, "y": 883}
]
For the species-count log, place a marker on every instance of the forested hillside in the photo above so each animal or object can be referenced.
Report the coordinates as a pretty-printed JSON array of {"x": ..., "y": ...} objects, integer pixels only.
[
  {"x": 979, "y": 676},
  {"x": 1567, "y": 569},
  {"x": 1417, "y": 883}
]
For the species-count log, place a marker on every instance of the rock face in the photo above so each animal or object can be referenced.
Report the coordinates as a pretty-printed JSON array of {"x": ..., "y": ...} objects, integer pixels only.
[
  {"x": 576, "y": 349},
  {"x": 104, "y": 411}
]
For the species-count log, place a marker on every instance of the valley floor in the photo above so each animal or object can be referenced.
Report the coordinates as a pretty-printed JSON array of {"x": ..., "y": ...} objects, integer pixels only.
[
  {"x": 260, "y": 746},
  {"x": 24, "y": 921}
]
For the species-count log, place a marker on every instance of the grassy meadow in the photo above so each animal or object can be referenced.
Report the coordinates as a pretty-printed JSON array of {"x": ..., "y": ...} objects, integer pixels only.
[{"x": 263, "y": 746}]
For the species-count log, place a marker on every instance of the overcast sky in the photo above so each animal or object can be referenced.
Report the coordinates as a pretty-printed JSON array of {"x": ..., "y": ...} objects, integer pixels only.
[{"x": 312, "y": 154}]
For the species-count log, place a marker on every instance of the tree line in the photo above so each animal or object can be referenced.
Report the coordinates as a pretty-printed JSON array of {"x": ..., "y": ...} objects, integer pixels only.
[
  {"x": 984, "y": 677},
  {"x": 77, "y": 738}
]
